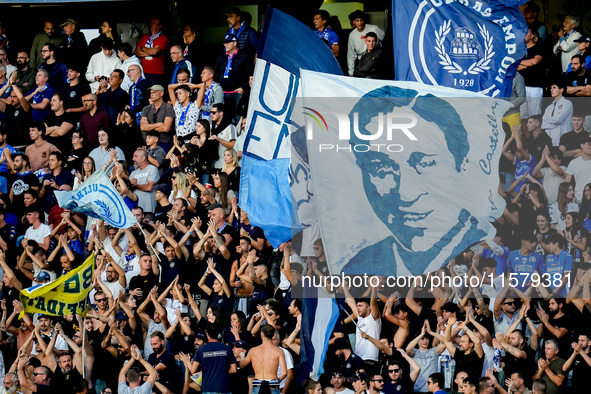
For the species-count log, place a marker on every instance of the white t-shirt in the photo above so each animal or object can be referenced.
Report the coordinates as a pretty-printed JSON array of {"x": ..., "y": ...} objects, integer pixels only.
[
  {"x": 38, "y": 235},
  {"x": 581, "y": 170},
  {"x": 289, "y": 362},
  {"x": 551, "y": 181},
  {"x": 363, "y": 347},
  {"x": 171, "y": 306},
  {"x": 60, "y": 343}
]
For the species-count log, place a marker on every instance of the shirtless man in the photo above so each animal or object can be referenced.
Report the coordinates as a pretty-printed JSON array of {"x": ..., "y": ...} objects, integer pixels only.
[
  {"x": 265, "y": 359},
  {"x": 399, "y": 317},
  {"x": 245, "y": 289}
]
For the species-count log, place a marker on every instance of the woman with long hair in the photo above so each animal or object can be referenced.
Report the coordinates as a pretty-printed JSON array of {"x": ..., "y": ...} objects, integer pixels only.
[
  {"x": 224, "y": 195},
  {"x": 181, "y": 188},
  {"x": 237, "y": 330},
  {"x": 576, "y": 236},
  {"x": 542, "y": 231},
  {"x": 127, "y": 134},
  {"x": 106, "y": 153},
  {"x": 586, "y": 204},
  {"x": 565, "y": 202},
  {"x": 232, "y": 169},
  {"x": 201, "y": 152},
  {"x": 88, "y": 168}
]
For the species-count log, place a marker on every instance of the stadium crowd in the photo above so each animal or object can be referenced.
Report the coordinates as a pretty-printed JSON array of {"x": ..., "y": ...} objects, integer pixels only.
[{"x": 195, "y": 298}]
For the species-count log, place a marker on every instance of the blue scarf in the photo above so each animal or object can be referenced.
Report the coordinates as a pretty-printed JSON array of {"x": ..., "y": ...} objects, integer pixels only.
[{"x": 229, "y": 64}]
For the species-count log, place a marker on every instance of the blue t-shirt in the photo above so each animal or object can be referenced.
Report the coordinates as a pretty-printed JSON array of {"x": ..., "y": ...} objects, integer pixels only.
[
  {"x": 3, "y": 167},
  {"x": 215, "y": 359},
  {"x": 524, "y": 266},
  {"x": 501, "y": 260},
  {"x": 558, "y": 264},
  {"x": 328, "y": 35},
  {"x": 523, "y": 166},
  {"x": 38, "y": 115}
]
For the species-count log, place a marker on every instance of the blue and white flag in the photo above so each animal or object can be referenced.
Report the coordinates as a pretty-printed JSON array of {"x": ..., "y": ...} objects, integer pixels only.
[
  {"x": 268, "y": 171},
  {"x": 474, "y": 45},
  {"x": 320, "y": 316},
  {"x": 405, "y": 175},
  {"x": 97, "y": 197}
]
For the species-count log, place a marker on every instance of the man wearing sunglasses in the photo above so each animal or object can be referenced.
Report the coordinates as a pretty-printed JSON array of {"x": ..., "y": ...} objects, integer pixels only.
[
  {"x": 436, "y": 383},
  {"x": 41, "y": 377},
  {"x": 376, "y": 384}
]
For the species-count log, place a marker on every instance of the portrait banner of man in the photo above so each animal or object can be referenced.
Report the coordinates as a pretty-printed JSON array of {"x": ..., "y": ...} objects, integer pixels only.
[{"x": 405, "y": 175}]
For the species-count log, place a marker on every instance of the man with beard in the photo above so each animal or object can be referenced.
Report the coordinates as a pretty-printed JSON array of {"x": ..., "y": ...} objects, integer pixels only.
[
  {"x": 48, "y": 36},
  {"x": 162, "y": 360},
  {"x": 351, "y": 363},
  {"x": 66, "y": 377},
  {"x": 580, "y": 363},
  {"x": 25, "y": 76},
  {"x": 22, "y": 181},
  {"x": 338, "y": 383},
  {"x": 54, "y": 180},
  {"x": 556, "y": 326},
  {"x": 470, "y": 356},
  {"x": 93, "y": 120},
  {"x": 519, "y": 356},
  {"x": 376, "y": 384},
  {"x": 18, "y": 112},
  {"x": 578, "y": 81},
  {"x": 74, "y": 91},
  {"x": 59, "y": 124},
  {"x": 58, "y": 72},
  {"x": 11, "y": 384}
]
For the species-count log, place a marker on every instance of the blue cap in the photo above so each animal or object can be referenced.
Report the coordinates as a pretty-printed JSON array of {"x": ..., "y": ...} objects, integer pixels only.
[
  {"x": 42, "y": 277},
  {"x": 229, "y": 38},
  {"x": 241, "y": 344},
  {"x": 121, "y": 315}
]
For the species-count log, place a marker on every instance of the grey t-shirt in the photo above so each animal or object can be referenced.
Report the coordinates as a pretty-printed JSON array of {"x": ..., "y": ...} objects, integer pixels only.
[
  {"x": 165, "y": 111},
  {"x": 145, "y": 388},
  {"x": 146, "y": 199}
]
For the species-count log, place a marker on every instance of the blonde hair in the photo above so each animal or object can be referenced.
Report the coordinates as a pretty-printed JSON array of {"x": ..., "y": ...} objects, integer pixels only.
[
  {"x": 234, "y": 158},
  {"x": 182, "y": 184}
]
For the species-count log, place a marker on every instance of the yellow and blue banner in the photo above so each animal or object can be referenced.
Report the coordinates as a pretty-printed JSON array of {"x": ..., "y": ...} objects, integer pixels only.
[{"x": 66, "y": 295}]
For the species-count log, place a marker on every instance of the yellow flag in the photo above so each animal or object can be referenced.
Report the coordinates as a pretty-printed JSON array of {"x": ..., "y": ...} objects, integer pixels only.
[{"x": 64, "y": 296}]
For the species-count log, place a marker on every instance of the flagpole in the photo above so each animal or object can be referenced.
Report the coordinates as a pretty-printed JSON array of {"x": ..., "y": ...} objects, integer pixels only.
[
  {"x": 148, "y": 243},
  {"x": 83, "y": 328}
]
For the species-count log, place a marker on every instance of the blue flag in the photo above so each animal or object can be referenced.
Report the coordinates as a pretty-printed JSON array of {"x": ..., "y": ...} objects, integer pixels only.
[
  {"x": 467, "y": 44},
  {"x": 97, "y": 197},
  {"x": 286, "y": 46}
]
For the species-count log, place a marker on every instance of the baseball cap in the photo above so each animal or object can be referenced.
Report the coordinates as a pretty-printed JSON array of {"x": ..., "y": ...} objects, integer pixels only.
[
  {"x": 42, "y": 277},
  {"x": 241, "y": 344},
  {"x": 359, "y": 376},
  {"x": 583, "y": 38},
  {"x": 214, "y": 206},
  {"x": 121, "y": 315},
  {"x": 201, "y": 335},
  {"x": 157, "y": 88},
  {"x": 69, "y": 20},
  {"x": 341, "y": 343},
  {"x": 162, "y": 187},
  {"x": 229, "y": 38}
]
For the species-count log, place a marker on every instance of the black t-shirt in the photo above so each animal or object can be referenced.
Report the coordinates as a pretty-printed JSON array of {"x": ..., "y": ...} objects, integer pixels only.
[
  {"x": 65, "y": 141},
  {"x": 404, "y": 386},
  {"x": 526, "y": 366},
  {"x": 469, "y": 363},
  {"x": 21, "y": 183},
  {"x": 167, "y": 358},
  {"x": 533, "y": 76},
  {"x": 160, "y": 213},
  {"x": 75, "y": 158},
  {"x": 352, "y": 365},
  {"x": 535, "y": 146},
  {"x": 73, "y": 96},
  {"x": 573, "y": 79},
  {"x": 261, "y": 293},
  {"x": 581, "y": 373},
  {"x": 17, "y": 126},
  {"x": 145, "y": 283},
  {"x": 572, "y": 141},
  {"x": 565, "y": 341},
  {"x": 66, "y": 384}
]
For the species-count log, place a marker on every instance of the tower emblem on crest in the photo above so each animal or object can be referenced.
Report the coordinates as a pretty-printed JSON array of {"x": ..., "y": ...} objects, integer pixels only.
[{"x": 464, "y": 46}]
